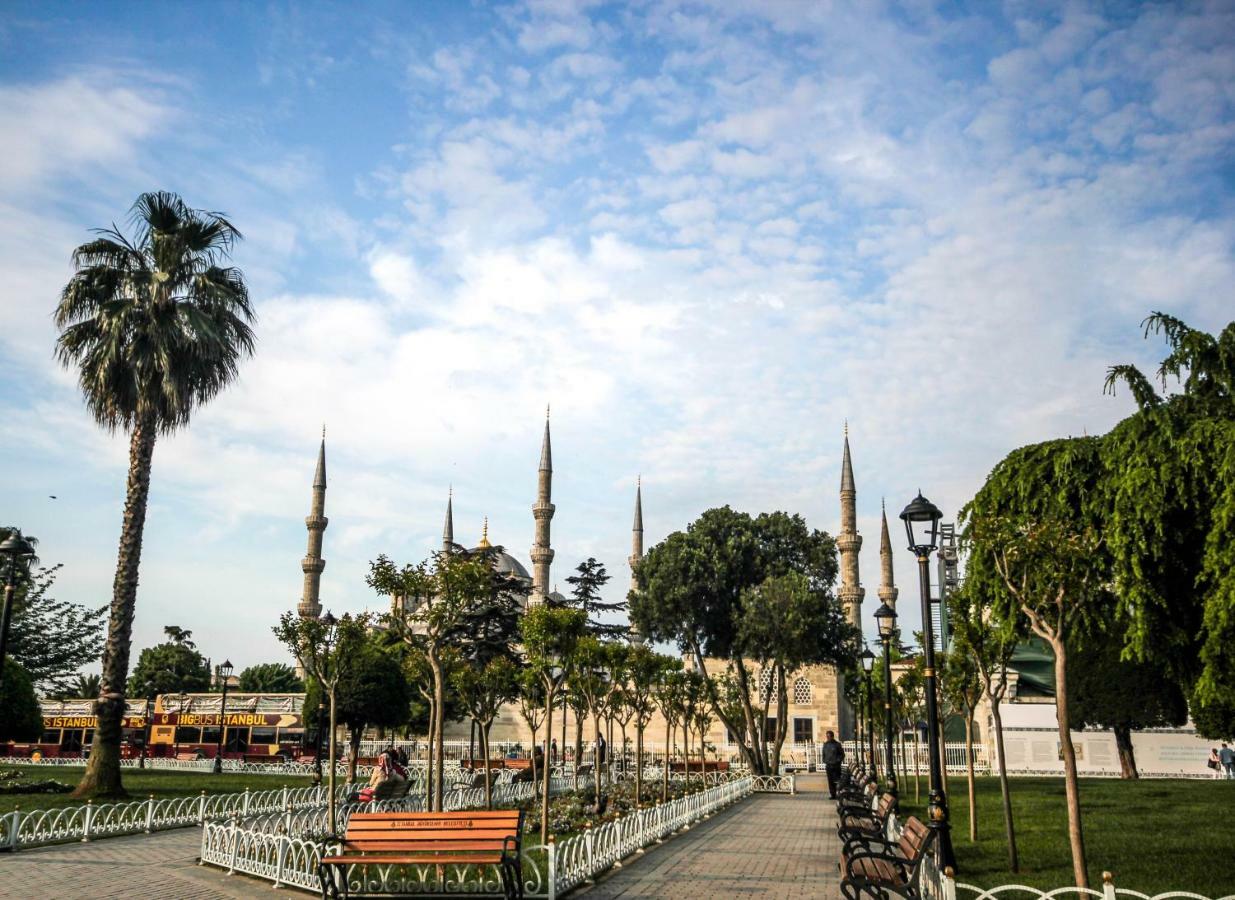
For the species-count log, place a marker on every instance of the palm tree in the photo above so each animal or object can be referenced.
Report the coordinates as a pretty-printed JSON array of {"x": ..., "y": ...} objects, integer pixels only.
[{"x": 156, "y": 324}]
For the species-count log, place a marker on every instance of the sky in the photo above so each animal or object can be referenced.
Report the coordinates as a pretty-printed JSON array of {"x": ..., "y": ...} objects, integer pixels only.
[{"x": 707, "y": 234}]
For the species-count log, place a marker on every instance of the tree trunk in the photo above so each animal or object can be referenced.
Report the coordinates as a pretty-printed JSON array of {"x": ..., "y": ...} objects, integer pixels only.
[
  {"x": 1005, "y": 790},
  {"x": 484, "y": 751},
  {"x": 429, "y": 756},
  {"x": 331, "y": 775},
  {"x": 544, "y": 791},
  {"x": 1076, "y": 837},
  {"x": 535, "y": 771},
  {"x": 579, "y": 747},
  {"x": 439, "y": 713},
  {"x": 638, "y": 764},
  {"x": 1127, "y": 757},
  {"x": 353, "y": 752},
  {"x": 782, "y": 714},
  {"x": 664, "y": 788},
  {"x": 596, "y": 727},
  {"x": 471, "y": 747},
  {"x": 973, "y": 802},
  {"x": 102, "y": 775},
  {"x": 917, "y": 788}
]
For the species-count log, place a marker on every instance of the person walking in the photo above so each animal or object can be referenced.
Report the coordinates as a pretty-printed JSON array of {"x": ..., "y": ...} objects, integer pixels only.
[
  {"x": 833, "y": 757},
  {"x": 1226, "y": 756},
  {"x": 553, "y": 751},
  {"x": 1214, "y": 763}
]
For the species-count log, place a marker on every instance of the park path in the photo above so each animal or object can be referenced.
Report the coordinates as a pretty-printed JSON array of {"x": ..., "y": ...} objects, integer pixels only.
[
  {"x": 161, "y": 865},
  {"x": 769, "y": 846}
]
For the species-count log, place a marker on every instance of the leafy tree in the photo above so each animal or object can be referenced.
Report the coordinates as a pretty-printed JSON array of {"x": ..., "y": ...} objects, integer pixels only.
[
  {"x": 696, "y": 586},
  {"x": 437, "y": 600},
  {"x": 483, "y": 692},
  {"x": 962, "y": 691},
  {"x": 1106, "y": 691},
  {"x": 590, "y": 681},
  {"x": 82, "y": 687},
  {"x": 550, "y": 637},
  {"x": 327, "y": 649},
  {"x": 990, "y": 645},
  {"x": 172, "y": 667},
  {"x": 271, "y": 678},
  {"x": 585, "y": 588},
  {"x": 668, "y": 691},
  {"x": 644, "y": 668},
  {"x": 51, "y": 639},
  {"x": 156, "y": 326},
  {"x": 532, "y": 709},
  {"x": 20, "y": 716}
]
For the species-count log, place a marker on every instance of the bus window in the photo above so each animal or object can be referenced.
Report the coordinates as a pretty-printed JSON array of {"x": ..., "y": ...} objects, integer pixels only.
[
  {"x": 71, "y": 743},
  {"x": 210, "y": 735},
  {"x": 237, "y": 740},
  {"x": 50, "y": 737},
  {"x": 261, "y": 736},
  {"x": 188, "y": 735},
  {"x": 88, "y": 738}
]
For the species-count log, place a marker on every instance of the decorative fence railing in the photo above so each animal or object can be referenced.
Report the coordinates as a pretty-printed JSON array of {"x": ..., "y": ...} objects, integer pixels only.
[
  {"x": 949, "y": 889},
  {"x": 192, "y": 765},
  {"x": 548, "y": 871},
  {"x": 33, "y": 828}
]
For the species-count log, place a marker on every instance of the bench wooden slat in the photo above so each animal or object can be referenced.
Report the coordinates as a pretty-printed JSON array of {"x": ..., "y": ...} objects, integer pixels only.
[{"x": 438, "y": 859}]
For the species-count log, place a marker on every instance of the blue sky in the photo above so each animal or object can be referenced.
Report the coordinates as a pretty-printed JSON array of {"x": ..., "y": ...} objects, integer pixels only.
[{"x": 707, "y": 233}]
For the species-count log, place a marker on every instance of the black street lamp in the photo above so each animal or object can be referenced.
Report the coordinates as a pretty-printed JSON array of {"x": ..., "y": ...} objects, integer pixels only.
[
  {"x": 141, "y": 758},
  {"x": 14, "y": 547},
  {"x": 225, "y": 673},
  {"x": 868, "y": 666},
  {"x": 885, "y": 617},
  {"x": 921, "y": 519}
]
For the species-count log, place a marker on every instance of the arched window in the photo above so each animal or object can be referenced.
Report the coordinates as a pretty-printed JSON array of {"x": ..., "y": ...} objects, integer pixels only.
[{"x": 803, "y": 691}]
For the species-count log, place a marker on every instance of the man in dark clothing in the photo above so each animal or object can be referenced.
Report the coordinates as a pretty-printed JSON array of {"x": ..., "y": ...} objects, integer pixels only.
[{"x": 833, "y": 757}]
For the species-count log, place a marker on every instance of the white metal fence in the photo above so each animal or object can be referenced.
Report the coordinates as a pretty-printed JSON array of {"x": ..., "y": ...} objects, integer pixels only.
[
  {"x": 548, "y": 870},
  {"x": 950, "y": 889},
  {"x": 909, "y": 756}
]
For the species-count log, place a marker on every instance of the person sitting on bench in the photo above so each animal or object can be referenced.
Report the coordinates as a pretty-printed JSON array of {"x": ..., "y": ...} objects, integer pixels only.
[{"x": 388, "y": 768}]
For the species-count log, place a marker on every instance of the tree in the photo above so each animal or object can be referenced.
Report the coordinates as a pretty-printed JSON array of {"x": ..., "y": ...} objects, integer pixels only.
[
  {"x": 436, "y": 600},
  {"x": 51, "y": 639},
  {"x": 590, "y": 681},
  {"x": 550, "y": 637},
  {"x": 20, "y": 716},
  {"x": 532, "y": 708},
  {"x": 694, "y": 588},
  {"x": 327, "y": 649},
  {"x": 82, "y": 687},
  {"x": 483, "y": 692},
  {"x": 156, "y": 326},
  {"x": 990, "y": 645},
  {"x": 373, "y": 691},
  {"x": 1106, "y": 691},
  {"x": 1052, "y": 575},
  {"x": 645, "y": 669},
  {"x": 668, "y": 691},
  {"x": 172, "y": 667},
  {"x": 585, "y": 588},
  {"x": 271, "y": 678},
  {"x": 962, "y": 691}
]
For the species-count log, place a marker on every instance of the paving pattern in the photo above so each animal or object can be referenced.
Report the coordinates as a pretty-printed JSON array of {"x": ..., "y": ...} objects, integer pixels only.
[
  {"x": 161, "y": 865},
  {"x": 770, "y": 846}
]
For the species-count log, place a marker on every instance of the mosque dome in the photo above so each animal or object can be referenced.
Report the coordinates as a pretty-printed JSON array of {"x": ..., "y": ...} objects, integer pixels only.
[
  {"x": 557, "y": 597},
  {"x": 503, "y": 562}
]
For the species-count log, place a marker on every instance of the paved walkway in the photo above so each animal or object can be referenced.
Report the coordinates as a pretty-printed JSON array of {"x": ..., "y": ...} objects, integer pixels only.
[
  {"x": 772, "y": 846},
  {"x": 162, "y": 865}
]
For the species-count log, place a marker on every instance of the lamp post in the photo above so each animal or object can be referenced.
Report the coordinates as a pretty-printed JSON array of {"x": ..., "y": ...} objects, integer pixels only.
[
  {"x": 921, "y": 519},
  {"x": 14, "y": 547},
  {"x": 225, "y": 672},
  {"x": 868, "y": 665},
  {"x": 885, "y": 616},
  {"x": 321, "y": 730},
  {"x": 141, "y": 759}
]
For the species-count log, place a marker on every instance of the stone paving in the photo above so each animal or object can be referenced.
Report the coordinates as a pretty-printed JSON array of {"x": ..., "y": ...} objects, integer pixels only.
[
  {"x": 771, "y": 846},
  {"x": 161, "y": 865}
]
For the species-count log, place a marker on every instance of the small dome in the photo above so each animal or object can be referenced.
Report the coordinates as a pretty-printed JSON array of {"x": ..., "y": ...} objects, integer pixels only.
[{"x": 557, "y": 597}]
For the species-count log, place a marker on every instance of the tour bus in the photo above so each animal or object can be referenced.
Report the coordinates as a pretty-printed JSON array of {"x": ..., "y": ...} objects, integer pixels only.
[{"x": 184, "y": 725}]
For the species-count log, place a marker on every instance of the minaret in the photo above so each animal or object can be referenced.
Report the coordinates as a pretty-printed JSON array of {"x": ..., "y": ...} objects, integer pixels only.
[
  {"x": 887, "y": 586},
  {"x": 849, "y": 542},
  {"x": 636, "y": 547},
  {"x": 542, "y": 511},
  {"x": 448, "y": 530},
  {"x": 310, "y": 604}
]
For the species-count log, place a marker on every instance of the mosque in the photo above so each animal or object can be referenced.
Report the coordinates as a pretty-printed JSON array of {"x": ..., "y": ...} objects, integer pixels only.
[{"x": 815, "y": 704}]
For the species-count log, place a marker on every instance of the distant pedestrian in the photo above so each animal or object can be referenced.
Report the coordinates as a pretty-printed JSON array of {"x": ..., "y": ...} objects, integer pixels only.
[
  {"x": 1214, "y": 763},
  {"x": 833, "y": 758},
  {"x": 1227, "y": 757},
  {"x": 602, "y": 751},
  {"x": 553, "y": 751}
]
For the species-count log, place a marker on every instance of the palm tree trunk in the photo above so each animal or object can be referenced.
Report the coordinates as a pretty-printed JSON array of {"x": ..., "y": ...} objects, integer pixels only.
[{"x": 102, "y": 776}]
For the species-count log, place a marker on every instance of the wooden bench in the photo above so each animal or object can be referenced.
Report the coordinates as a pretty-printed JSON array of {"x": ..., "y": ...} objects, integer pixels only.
[
  {"x": 855, "y": 821},
  {"x": 263, "y": 758},
  {"x": 390, "y": 840},
  {"x": 876, "y": 868},
  {"x": 523, "y": 763},
  {"x": 186, "y": 755}
]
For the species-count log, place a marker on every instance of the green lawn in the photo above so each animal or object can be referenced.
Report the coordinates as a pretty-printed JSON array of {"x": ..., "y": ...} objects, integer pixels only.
[
  {"x": 141, "y": 783},
  {"x": 1154, "y": 835}
]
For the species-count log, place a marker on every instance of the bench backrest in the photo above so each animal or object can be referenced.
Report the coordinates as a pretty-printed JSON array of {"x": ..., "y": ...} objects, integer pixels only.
[
  {"x": 885, "y": 806},
  {"x": 473, "y": 831},
  {"x": 914, "y": 838}
]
